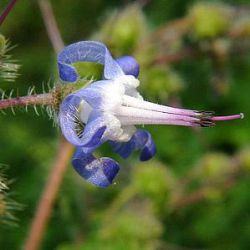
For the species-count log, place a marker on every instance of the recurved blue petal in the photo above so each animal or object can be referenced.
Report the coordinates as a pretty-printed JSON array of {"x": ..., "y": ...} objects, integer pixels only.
[
  {"x": 93, "y": 132},
  {"x": 145, "y": 143},
  {"x": 68, "y": 116},
  {"x": 129, "y": 65},
  {"x": 99, "y": 172},
  {"x": 141, "y": 140},
  {"x": 86, "y": 51},
  {"x": 124, "y": 149}
]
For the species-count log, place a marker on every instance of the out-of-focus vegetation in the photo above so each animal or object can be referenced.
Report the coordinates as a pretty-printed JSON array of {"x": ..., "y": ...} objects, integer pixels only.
[{"x": 195, "y": 192}]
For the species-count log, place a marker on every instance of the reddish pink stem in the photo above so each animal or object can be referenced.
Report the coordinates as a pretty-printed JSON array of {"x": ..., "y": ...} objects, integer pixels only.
[
  {"x": 41, "y": 99},
  {"x": 7, "y": 10},
  {"x": 228, "y": 117},
  {"x": 47, "y": 200}
]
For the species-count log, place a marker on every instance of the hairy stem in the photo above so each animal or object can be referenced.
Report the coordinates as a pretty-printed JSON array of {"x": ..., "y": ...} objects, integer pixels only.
[{"x": 41, "y": 99}]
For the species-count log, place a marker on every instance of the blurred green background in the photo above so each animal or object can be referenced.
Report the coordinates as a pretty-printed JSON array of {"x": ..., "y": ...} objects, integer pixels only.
[{"x": 195, "y": 193}]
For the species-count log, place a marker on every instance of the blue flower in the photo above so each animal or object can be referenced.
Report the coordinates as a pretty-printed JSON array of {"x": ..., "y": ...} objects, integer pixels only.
[{"x": 109, "y": 109}]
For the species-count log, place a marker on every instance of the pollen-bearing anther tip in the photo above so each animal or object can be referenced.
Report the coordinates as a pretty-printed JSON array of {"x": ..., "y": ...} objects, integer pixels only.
[
  {"x": 205, "y": 114},
  {"x": 242, "y": 115}
]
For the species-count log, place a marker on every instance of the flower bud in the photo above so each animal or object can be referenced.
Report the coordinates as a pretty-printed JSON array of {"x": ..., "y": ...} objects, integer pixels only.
[
  {"x": 209, "y": 20},
  {"x": 241, "y": 27},
  {"x": 152, "y": 179},
  {"x": 213, "y": 167},
  {"x": 136, "y": 223},
  {"x": 8, "y": 69},
  {"x": 2, "y": 44},
  {"x": 7, "y": 205},
  {"x": 244, "y": 158},
  {"x": 160, "y": 81},
  {"x": 123, "y": 30}
]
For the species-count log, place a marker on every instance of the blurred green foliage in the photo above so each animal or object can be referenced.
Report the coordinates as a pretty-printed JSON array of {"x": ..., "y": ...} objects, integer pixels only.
[{"x": 195, "y": 193}]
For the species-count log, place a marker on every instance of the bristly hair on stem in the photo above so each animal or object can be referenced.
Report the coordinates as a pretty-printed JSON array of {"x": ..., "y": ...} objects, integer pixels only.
[
  {"x": 7, "y": 205},
  {"x": 49, "y": 99},
  {"x": 40, "y": 99},
  {"x": 8, "y": 67}
]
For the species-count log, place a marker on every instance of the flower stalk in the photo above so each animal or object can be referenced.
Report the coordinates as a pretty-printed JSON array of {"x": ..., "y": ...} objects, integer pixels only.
[
  {"x": 53, "y": 98},
  {"x": 40, "y": 99}
]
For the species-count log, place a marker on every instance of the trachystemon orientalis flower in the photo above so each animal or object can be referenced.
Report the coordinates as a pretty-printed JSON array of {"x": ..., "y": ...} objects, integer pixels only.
[{"x": 108, "y": 110}]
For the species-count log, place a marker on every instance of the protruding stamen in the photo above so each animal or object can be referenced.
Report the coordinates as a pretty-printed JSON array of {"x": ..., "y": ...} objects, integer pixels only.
[
  {"x": 141, "y": 104},
  {"x": 227, "y": 117},
  {"x": 147, "y": 121},
  {"x": 205, "y": 123},
  {"x": 135, "y": 116},
  {"x": 156, "y": 115},
  {"x": 204, "y": 114}
]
